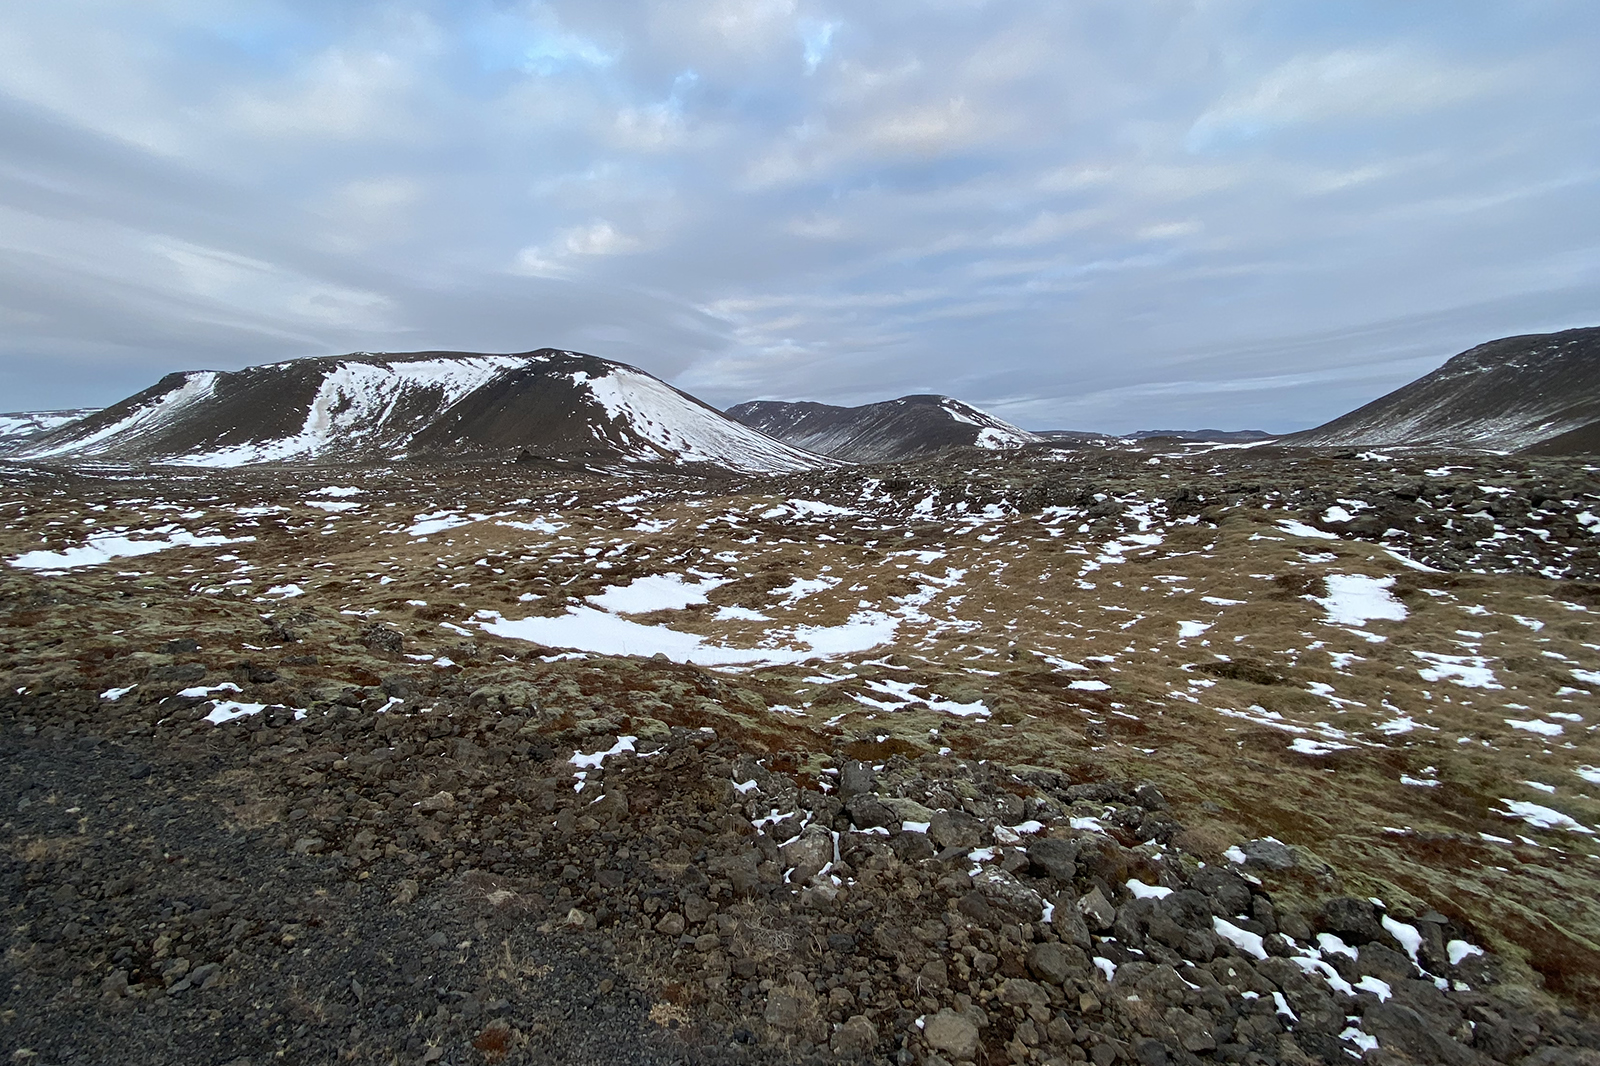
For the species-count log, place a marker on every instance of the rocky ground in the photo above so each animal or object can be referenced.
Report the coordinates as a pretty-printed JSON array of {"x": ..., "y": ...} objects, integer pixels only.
[{"x": 297, "y": 786}]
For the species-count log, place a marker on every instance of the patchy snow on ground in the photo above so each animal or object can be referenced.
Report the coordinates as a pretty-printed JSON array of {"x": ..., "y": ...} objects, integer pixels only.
[
  {"x": 740, "y": 614},
  {"x": 1468, "y": 671},
  {"x": 1355, "y": 600},
  {"x": 1536, "y": 725},
  {"x": 540, "y": 525},
  {"x": 816, "y": 507},
  {"x": 103, "y": 547},
  {"x": 1307, "y": 746},
  {"x": 1247, "y": 942},
  {"x": 594, "y": 630},
  {"x": 227, "y": 710},
  {"x": 655, "y": 592},
  {"x": 439, "y": 521},
  {"x": 800, "y": 588},
  {"x": 595, "y": 760},
  {"x": 1300, "y": 529},
  {"x": 903, "y": 694},
  {"x": 1542, "y": 817}
]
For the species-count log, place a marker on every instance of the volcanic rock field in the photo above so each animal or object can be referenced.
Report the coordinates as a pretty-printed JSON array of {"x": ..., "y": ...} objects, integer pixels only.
[{"x": 1133, "y": 754}]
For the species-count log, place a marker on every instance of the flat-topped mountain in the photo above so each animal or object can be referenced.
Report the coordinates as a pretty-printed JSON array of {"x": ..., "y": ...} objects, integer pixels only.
[
  {"x": 546, "y": 404},
  {"x": 1508, "y": 394},
  {"x": 906, "y": 428}
]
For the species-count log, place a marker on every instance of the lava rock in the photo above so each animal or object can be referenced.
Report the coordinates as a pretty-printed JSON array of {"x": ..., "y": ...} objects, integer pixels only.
[
  {"x": 1057, "y": 858},
  {"x": 855, "y": 778},
  {"x": 953, "y": 1034},
  {"x": 955, "y": 829},
  {"x": 1354, "y": 921},
  {"x": 867, "y": 811},
  {"x": 857, "y": 1036},
  {"x": 1097, "y": 911},
  {"x": 1269, "y": 854},
  {"x": 1056, "y": 963}
]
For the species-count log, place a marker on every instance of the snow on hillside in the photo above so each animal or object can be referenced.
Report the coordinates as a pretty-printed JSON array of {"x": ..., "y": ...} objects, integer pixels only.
[
  {"x": 904, "y": 428},
  {"x": 550, "y": 403},
  {"x": 994, "y": 434},
  {"x": 681, "y": 427},
  {"x": 196, "y": 387},
  {"x": 31, "y": 423},
  {"x": 357, "y": 402}
]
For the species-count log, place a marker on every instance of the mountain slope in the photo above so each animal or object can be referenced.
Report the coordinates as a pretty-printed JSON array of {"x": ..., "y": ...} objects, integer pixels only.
[
  {"x": 906, "y": 428},
  {"x": 19, "y": 427},
  {"x": 1507, "y": 394},
  {"x": 1585, "y": 440},
  {"x": 550, "y": 403}
]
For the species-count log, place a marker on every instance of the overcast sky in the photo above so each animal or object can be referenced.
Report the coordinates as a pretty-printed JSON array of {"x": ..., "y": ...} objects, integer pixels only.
[{"x": 1109, "y": 214}]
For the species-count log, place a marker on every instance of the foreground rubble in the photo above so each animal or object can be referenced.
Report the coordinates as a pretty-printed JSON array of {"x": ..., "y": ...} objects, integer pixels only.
[{"x": 355, "y": 823}]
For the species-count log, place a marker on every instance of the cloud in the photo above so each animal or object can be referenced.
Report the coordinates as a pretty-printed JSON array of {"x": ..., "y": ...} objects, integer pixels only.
[
  {"x": 1098, "y": 213},
  {"x": 349, "y": 95},
  {"x": 816, "y": 40},
  {"x": 556, "y": 259},
  {"x": 1347, "y": 84}
]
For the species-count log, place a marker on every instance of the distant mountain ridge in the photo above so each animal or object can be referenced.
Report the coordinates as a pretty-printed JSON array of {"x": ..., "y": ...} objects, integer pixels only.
[
  {"x": 548, "y": 403},
  {"x": 906, "y": 428},
  {"x": 18, "y": 427},
  {"x": 1538, "y": 391},
  {"x": 1227, "y": 435}
]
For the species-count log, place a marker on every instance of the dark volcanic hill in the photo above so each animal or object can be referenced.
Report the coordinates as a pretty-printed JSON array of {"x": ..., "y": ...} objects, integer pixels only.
[
  {"x": 548, "y": 403},
  {"x": 906, "y": 428},
  {"x": 1508, "y": 394}
]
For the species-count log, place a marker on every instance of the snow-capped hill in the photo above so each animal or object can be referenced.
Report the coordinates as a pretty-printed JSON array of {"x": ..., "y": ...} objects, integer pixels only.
[
  {"x": 1508, "y": 394},
  {"x": 18, "y": 427},
  {"x": 548, "y": 403},
  {"x": 906, "y": 428},
  {"x": 567, "y": 405}
]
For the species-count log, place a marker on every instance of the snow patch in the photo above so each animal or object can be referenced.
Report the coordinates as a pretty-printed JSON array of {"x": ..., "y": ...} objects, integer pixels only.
[
  {"x": 1355, "y": 600},
  {"x": 1541, "y": 817},
  {"x": 593, "y": 630},
  {"x": 103, "y": 547},
  {"x": 655, "y": 592}
]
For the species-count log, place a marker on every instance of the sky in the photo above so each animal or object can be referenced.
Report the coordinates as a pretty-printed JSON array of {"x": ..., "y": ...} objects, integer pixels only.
[{"x": 1092, "y": 214}]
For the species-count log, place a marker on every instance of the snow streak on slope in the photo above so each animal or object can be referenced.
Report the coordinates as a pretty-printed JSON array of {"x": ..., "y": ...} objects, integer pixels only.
[
  {"x": 682, "y": 428},
  {"x": 356, "y": 405},
  {"x": 191, "y": 390},
  {"x": 993, "y": 433}
]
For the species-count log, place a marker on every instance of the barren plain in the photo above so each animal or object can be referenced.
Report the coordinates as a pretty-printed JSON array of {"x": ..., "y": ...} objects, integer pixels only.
[{"x": 1116, "y": 755}]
